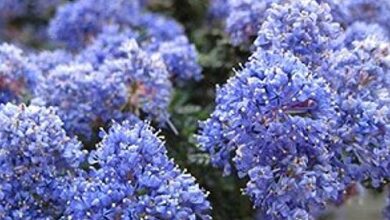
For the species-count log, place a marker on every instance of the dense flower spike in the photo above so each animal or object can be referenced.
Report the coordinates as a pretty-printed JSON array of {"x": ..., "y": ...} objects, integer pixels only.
[
  {"x": 178, "y": 54},
  {"x": 135, "y": 180},
  {"x": 85, "y": 98},
  {"x": 305, "y": 122},
  {"x": 126, "y": 86},
  {"x": 361, "y": 77},
  {"x": 273, "y": 118},
  {"x": 243, "y": 18},
  {"x": 349, "y": 142},
  {"x": 349, "y": 11},
  {"x": 106, "y": 46},
  {"x": 180, "y": 58},
  {"x": 103, "y": 26},
  {"x": 147, "y": 80},
  {"x": 48, "y": 60},
  {"x": 77, "y": 23},
  {"x": 34, "y": 154},
  {"x": 359, "y": 31},
  {"x": 362, "y": 68},
  {"x": 302, "y": 27},
  {"x": 18, "y": 77},
  {"x": 83, "y": 20}
]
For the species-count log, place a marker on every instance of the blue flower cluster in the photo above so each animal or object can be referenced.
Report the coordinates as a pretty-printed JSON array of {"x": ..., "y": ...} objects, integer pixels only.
[
  {"x": 106, "y": 46},
  {"x": 308, "y": 115},
  {"x": 135, "y": 180},
  {"x": 132, "y": 84},
  {"x": 118, "y": 66},
  {"x": 121, "y": 52},
  {"x": 304, "y": 122},
  {"x": 73, "y": 90},
  {"x": 147, "y": 79},
  {"x": 304, "y": 27},
  {"x": 10, "y": 9},
  {"x": 46, "y": 60},
  {"x": 179, "y": 56},
  {"x": 18, "y": 77},
  {"x": 358, "y": 31},
  {"x": 274, "y": 118},
  {"x": 84, "y": 23},
  {"x": 349, "y": 11},
  {"x": 42, "y": 177},
  {"x": 36, "y": 157},
  {"x": 90, "y": 17},
  {"x": 360, "y": 76},
  {"x": 243, "y": 18}
]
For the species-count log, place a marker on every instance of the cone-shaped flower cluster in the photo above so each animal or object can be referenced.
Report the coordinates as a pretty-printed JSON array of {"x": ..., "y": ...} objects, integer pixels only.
[
  {"x": 89, "y": 98},
  {"x": 128, "y": 176},
  {"x": 135, "y": 180},
  {"x": 243, "y": 18},
  {"x": 36, "y": 157},
  {"x": 274, "y": 117},
  {"x": 84, "y": 22},
  {"x": 308, "y": 115},
  {"x": 349, "y": 11},
  {"x": 18, "y": 77},
  {"x": 303, "y": 27}
]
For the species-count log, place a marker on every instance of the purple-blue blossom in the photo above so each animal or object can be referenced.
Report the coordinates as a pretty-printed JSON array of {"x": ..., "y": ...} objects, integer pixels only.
[
  {"x": 178, "y": 54},
  {"x": 360, "y": 76},
  {"x": 147, "y": 79},
  {"x": 358, "y": 31},
  {"x": 301, "y": 153},
  {"x": 77, "y": 23},
  {"x": 36, "y": 157},
  {"x": 135, "y": 180},
  {"x": 349, "y": 11},
  {"x": 18, "y": 77},
  {"x": 85, "y": 98},
  {"x": 133, "y": 85},
  {"x": 102, "y": 32},
  {"x": 129, "y": 175},
  {"x": 303, "y": 27},
  {"x": 243, "y": 18},
  {"x": 106, "y": 46},
  {"x": 46, "y": 61},
  {"x": 272, "y": 123},
  {"x": 180, "y": 57}
]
